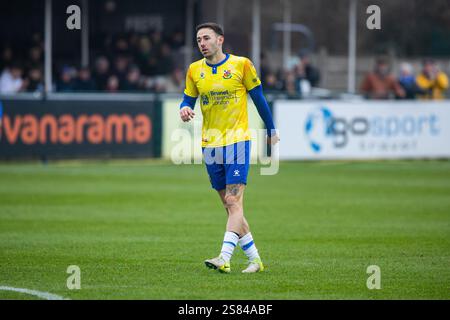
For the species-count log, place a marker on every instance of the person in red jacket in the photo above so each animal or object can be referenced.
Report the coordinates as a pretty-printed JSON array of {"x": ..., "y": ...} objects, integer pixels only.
[{"x": 380, "y": 84}]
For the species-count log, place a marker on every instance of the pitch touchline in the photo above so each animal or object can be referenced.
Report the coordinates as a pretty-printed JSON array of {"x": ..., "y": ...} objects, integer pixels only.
[{"x": 40, "y": 294}]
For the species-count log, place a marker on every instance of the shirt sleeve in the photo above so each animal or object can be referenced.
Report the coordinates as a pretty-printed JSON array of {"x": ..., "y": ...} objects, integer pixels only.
[
  {"x": 263, "y": 109},
  {"x": 191, "y": 88},
  {"x": 250, "y": 78}
]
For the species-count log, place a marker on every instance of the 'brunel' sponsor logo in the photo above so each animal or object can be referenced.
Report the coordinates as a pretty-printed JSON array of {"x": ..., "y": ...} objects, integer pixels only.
[{"x": 67, "y": 128}]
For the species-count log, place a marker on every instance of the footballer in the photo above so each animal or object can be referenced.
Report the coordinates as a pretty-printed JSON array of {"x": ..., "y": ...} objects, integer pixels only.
[{"x": 222, "y": 81}]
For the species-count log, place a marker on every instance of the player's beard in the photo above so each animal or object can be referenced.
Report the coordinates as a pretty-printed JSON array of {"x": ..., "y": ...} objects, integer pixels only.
[{"x": 211, "y": 52}]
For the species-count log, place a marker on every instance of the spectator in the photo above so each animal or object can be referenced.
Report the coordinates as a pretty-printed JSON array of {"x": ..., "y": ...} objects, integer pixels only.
[
  {"x": 165, "y": 63},
  {"x": 133, "y": 80},
  {"x": 35, "y": 81},
  {"x": 289, "y": 85},
  {"x": 35, "y": 58},
  {"x": 84, "y": 81},
  {"x": 312, "y": 74},
  {"x": 66, "y": 80},
  {"x": 112, "y": 84},
  {"x": 144, "y": 53},
  {"x": 120, "y": 68},
  {"x": 432, "y": 81},
  {"x": 302, "y": 84},
  {"x": 101, "y": 72},
  {"x": 121, "y": 47},
  {"x": 271, "y": 83},
  {"x": 408, "y": 81},
  {"x": 176, "y": 81},
  {"x": 379, "y": 84},
  {"x": 11, "y": 79},
  {"x": 159, "y": 84}
]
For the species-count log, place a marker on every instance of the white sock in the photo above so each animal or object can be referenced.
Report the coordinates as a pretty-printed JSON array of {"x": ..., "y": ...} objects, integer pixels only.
[
  {"x": 230, "y": 241},
  {"x": 247, "y": 244}
]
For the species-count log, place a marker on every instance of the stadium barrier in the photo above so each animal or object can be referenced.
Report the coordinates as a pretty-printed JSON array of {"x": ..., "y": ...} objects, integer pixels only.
[
  {"x": 148, "y": 125},
  {"x": 81, "y": 126},
  {"x": 328, "y": 129}
]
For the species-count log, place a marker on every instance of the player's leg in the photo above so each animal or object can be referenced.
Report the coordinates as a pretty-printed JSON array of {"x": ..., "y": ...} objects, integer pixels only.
[
  {"x": 216, "y": 172},
  {"x": 237, "y": 225},
  {"x": 245, "y": 227},
  {"x": 236, "y": 175},
  {"x": 234, "y": 194},
  {"x": 232, "y": 200}
]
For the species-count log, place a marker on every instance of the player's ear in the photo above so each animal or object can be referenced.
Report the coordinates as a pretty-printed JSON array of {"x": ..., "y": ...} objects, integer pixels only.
[{"x": 220, "y": 39}]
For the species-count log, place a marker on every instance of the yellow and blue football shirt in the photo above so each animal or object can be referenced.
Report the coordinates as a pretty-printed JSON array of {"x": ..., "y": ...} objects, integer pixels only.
[{"x": 222, "y": 90}]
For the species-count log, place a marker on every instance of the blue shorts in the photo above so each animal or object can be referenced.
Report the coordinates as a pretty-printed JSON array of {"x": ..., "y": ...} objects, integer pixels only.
[{"x": 228, "y": 164}]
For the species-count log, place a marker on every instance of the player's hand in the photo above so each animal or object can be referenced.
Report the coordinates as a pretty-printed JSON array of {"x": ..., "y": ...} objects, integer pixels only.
[
  {"x": 186, "y": 114},
  {"x": 273, "y": 140}
]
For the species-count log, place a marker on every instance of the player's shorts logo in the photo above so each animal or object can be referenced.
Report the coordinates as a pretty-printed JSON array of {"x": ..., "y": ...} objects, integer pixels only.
[
  {"x": 318, "y": 128},
  {"x": 227, "y": 74},
  {"x": 236, "y": 173}
]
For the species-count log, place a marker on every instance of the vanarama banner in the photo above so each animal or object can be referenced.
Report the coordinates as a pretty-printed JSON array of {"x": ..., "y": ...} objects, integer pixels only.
[{"x": 77, "y": 129}]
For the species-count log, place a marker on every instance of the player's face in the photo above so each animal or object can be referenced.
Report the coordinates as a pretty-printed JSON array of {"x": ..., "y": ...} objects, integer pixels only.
[{"x": 209, "y": 43}]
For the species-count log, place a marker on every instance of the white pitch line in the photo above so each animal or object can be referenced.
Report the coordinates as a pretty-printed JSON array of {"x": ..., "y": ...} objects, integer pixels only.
[{"x": 40, "y": 294}]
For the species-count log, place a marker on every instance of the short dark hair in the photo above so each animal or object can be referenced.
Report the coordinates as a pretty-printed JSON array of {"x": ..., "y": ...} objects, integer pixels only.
[{"x": 217, "y": 28}]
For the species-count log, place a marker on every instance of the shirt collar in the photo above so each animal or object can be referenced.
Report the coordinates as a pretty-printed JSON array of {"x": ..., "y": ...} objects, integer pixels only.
[{"x": 220, "y": 63}]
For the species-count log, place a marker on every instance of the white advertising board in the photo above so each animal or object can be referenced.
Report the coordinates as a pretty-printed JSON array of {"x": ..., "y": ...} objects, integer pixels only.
[{"x": 328, "y": 129}]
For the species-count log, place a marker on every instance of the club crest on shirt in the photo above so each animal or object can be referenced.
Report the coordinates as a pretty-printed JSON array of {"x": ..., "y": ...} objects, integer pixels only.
[
  {"x": 227, "y": 74},
  {"x": 202, "y": 75}
]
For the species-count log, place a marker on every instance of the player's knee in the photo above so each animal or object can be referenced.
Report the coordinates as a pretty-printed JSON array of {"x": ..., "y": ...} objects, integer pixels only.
[{"x": 231, "y": 201}]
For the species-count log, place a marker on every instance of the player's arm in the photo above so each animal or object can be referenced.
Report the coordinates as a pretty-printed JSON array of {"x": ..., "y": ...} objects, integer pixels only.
[
  {"x": 189, "y": 98},
  {"x": 264, "y": 112},
  {"x": 254, "y": 88},
  {"x": 187, "y": 108}
]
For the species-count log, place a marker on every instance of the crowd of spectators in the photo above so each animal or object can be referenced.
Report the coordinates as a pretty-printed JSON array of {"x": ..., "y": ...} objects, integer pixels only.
[
  {"x": 22, "y": 74},
  {"x": 429, "y": 83},
  {"x": 154, "y": 63},
  {"x": 296, "y": 81},
  {"x": 136, "y": 63},
  {"x": 129, "y": 63}
]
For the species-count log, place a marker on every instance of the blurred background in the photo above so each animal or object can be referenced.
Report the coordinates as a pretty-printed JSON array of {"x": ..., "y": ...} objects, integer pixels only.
[{"x": 138, "y": 51}]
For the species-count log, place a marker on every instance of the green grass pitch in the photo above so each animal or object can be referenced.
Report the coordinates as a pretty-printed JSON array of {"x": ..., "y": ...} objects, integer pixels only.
[{"x": 141, "y": 230}]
